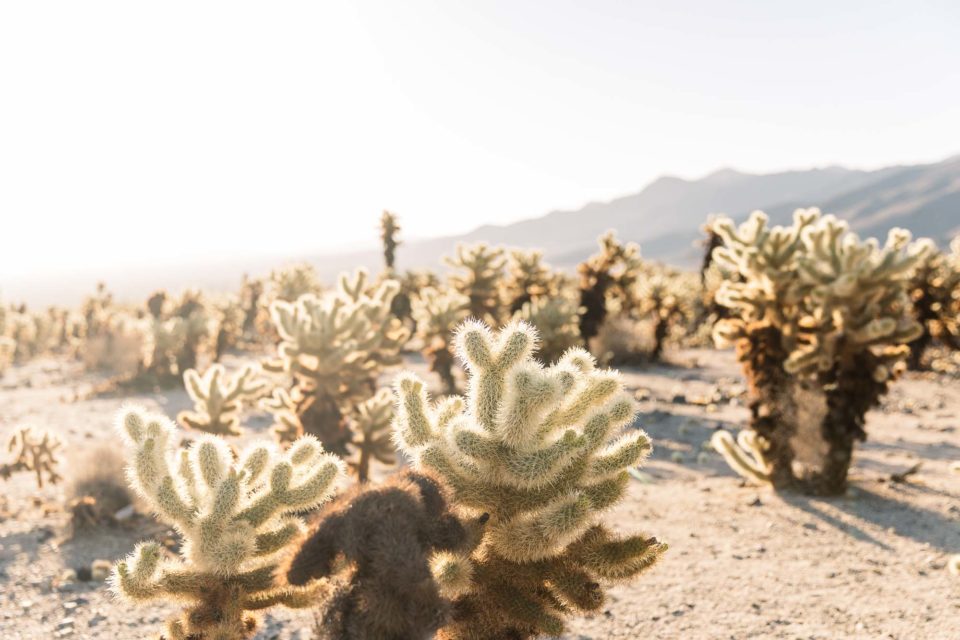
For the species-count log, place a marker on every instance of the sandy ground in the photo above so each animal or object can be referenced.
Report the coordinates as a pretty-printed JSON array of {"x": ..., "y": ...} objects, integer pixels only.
[{"x": 743, "y": 562}]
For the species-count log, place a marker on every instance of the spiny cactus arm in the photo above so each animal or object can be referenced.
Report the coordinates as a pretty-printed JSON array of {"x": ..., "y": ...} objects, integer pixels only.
[
  {"x": 612, "y": 558},
  {"x": 287, "y": 425},
  {"x": 134, "y": 577},
  {"x": 543, "y": 532},
  {"x": 293, "y": 597},
  {"x": 453, "y": 573},
  {"x": 302, "y": 478},
  {"x": 744, "y": 455}
]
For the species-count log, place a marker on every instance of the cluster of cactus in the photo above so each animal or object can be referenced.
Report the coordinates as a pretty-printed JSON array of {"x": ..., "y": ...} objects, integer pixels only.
[
  {"x": 528, "y": 279},
  {"x": 218, "y": 399},
  {"x": 608, "y": 277},
  {"x": 555, "y": 319},
  {"x": 542, "y": 451},
  {"x": 236, "y": 517},
  {"x": 25, "y": 334},
  {"x": 34, "y": 455},
  {"x": 335, "y": 347},
  {"x": 813, "y": 303},
  {"x": 935, "y": 293}
]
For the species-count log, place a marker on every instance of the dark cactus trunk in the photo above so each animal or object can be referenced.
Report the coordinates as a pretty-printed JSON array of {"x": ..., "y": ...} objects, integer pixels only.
[
  {"x": 851, "y": 392},
  {"x": 772, "y": 404}
]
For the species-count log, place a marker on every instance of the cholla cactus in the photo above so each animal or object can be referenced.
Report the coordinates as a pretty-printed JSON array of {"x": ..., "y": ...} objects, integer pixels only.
[
  {"x": 389, "y": 230},
  {"x": 436, "y": 313},
  {"x": 528, "y": 279},
  {"x": 541, "y": 451},
  {"x": 746, "y": 455},
  {"x": 816, "y": 303},
  {"x": 286, "y": 425},
  {"x": 854, "y": 330},
  {"x": 762, "y": 266},
  {"x": 668, "y": 298},
  {"x": 37, "y": 456},
  {"x": 483, "y": 267},
  {"x": 218, "y": 399},
  {"x": 555, "y": 319},
  {"x": 387, "y": 590},
  {"x": 935, "y": 293},
  {"x": 236, "y": 519},
  {"x": 612, "y": 273},
  {"x": 336, "y": 347},
  {"x": 295, "y": 280},
  {"x": 372, "y": 439}
]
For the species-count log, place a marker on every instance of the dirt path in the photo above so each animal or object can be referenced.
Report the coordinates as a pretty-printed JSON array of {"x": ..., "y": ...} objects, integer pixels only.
[{"x": 743, "y": 562}]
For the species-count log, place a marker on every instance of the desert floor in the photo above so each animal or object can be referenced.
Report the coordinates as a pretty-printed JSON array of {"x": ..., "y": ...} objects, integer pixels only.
[{"x": 743, "y": 562}]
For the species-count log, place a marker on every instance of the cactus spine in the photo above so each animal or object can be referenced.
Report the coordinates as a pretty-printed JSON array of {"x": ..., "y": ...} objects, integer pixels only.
[
  {"x": 235, "y": 516},
  {"x": 539, "y": 450},
  {"x": 217, "y": 401}
]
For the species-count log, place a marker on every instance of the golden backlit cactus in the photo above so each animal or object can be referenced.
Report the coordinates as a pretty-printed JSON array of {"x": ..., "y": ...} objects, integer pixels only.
[
  {"x": 389, "y": 232},
  {"x": 478, "y": 275},
  {"x": 436, "y": 313},
  {"x": 854, "y": 330},
  {"x": 668, "y": 299},
  {"x": 761, "y": 266},
  {"x": 335, "y": 347},
  {"x": 528, "y": 279},
  {"x": 218, "y": 398},
  {"x": 372, "y": 436},
  {"x": 935, "y": 294},
  {"x": 236, "y": 517},
  {"x": 813, "y": 302},
  {"x": 746, "y": 455},
  {"x": 605, "y": 277},
  {"x": 556, "y": 322},
  {"x": 35, "y": 455},
  {"x": 543, "y": 451},
  {"x": 292, "y": 281}
]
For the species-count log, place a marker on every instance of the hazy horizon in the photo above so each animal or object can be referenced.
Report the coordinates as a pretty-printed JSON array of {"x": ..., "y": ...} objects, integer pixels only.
[{"x": 133, "y": 136}]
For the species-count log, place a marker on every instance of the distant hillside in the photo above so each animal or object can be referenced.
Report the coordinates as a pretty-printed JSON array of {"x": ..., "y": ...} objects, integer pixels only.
[{"x": 664, "y": 217}]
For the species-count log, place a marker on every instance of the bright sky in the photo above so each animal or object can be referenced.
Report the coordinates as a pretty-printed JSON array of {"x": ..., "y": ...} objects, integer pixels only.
[{"x": 152, "y": 133}]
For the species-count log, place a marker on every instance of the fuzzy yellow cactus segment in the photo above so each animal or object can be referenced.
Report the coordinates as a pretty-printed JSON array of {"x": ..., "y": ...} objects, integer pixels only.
[
  {"x": 372, "y": 440},
  {"x": 335, "y": 347},
  {"x": 543, "y": 451},
  {"x": 236, "y": 517},
  {"x": 218, "y": 399},
  {"x": 286, "y": 425},
  {"x": 745, "y": 455},
  {"x": 436, "y": 313},
  {"x": 38, "y": 456},
  {"x": 555, "y": 319},
  {"x": 479, "y": 271}
]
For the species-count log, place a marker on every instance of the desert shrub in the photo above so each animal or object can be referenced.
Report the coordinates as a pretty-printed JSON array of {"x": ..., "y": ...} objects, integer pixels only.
[
  {"x": 543, "y": 452},
  {"x": 385, "y": 588},
  {"x": 98, "y": 487},
  {"x": 815, "y": 304},
  {"x": 335, "y": 347},
  {"x": 436, "y": 313},
  {"x": 236, "y": 517}
]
